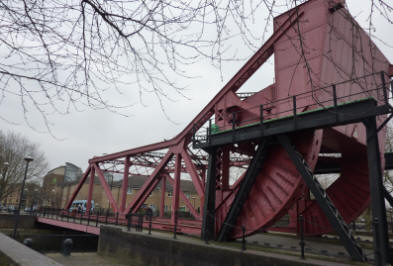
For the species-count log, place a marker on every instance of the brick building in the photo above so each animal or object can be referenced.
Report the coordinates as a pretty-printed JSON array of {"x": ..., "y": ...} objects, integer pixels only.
[
  {"x": 134, "y": 185},
  {"x": 61, "y": 182}
]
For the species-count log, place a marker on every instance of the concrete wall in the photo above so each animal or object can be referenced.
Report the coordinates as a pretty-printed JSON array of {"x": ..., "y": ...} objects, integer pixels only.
[
  {"x": 15, "y": 253},
  {"x": 142, "y": 250},
  {"x": 8, "y": 221}
]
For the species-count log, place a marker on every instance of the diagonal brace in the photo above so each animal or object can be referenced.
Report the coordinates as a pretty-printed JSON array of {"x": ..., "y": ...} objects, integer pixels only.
[
  {"x": 323, "y": 200},
  {"x": 243, "y": 192},
  {"x": 387, "y": 196}
]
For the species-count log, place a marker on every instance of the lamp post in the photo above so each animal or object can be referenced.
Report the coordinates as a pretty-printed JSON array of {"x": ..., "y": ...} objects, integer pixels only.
[
  {"x": 3, "y": 179},
  {"x": 28, "y": 160}
]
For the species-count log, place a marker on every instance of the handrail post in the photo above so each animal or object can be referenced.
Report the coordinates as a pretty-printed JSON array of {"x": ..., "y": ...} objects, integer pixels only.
[
  {"x": 294, "y": 110},
  {"x": 150, "y": 221},
  {"x": 261, "y": 114},
  {"x": 233, "y": 120},
  {"x": 301, "y": 243},
  {"x": 385, "y": 95},
  {"x": 97, "y": 214},
  {"x": 335, "y": 100},
  {"x": 209, "y": 130},
  {"x": 193, "y": 134},
  {"x": 334, "y": 96}
]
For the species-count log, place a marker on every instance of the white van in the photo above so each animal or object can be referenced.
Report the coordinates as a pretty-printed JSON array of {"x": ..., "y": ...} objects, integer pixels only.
[{"x": 81, "y": 205}]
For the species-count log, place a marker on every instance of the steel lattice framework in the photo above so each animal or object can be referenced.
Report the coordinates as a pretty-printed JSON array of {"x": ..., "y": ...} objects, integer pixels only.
[{"x": 320, "y": 65}]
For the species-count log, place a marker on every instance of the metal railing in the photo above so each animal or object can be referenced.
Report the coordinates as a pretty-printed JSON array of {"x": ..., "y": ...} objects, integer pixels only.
[
  {"x": 95, "y": 218},
  {"x": 371, "y": 86}
]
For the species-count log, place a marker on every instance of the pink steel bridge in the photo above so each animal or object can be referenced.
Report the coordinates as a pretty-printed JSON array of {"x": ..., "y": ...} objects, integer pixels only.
[{"x": 315, "y": 45}]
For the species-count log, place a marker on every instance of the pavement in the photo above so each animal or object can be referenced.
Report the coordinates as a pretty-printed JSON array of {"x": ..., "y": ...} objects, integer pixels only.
[
  {"x": 327, "y": 245},
  {"x": 84, "y": 259}
]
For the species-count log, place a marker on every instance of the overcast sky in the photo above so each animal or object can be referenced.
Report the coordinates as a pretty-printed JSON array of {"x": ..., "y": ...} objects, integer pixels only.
[{"x": 89, "y": 133}]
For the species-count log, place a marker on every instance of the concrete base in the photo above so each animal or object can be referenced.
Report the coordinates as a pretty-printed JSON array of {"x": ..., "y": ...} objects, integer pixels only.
[{"x": 140, "y": 250}]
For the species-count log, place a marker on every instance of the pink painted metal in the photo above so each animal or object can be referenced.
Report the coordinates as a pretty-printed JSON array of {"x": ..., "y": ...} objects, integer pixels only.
[
  {"x": 313, "y": 46},
  {"x": 163, "y": 193},
  {"x": 90, "y": 193},
  {"x": 73, "y": 226},
  {"x": 185, "y": 200},
  {"x": 176, "y": 189},
  {"x": 80, "y": 184},
  {"x": 107, "y": 190},
  {"x": 124, "y": 185}
]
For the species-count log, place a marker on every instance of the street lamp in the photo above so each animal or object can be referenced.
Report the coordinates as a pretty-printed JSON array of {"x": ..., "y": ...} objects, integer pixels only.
[
  {"x": 28, "y": 160},
  {"x": 5, "y": 168}
]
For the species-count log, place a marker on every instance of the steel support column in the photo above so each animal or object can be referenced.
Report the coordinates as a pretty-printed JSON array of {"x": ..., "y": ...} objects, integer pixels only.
[
  {"x": 323, "y": 200},
  {"x": 124, "y": 185},
  {"x": 381, "y": 243},
  {"x": 163, "y": 192},
  {"x": 208, "y": 222},
  {"x": 91, "y": 187},
  {"x": 176, "y": 189}
]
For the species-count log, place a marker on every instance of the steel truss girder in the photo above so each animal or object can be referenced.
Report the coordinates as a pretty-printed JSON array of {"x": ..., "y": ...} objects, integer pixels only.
[
  {"x": 146, "y": 155},
  {"x": 244, "y": 190},
  {"x": 323, "y": 200}
]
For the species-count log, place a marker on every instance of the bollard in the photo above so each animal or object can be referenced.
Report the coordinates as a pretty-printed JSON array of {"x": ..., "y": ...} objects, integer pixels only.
[
  {"x": 88, "y": 217},
  {"x": 117, "y": 218},
  {"x": 301, "y": 243},
  {"x": 106, "y": 216},
  {"x": 28, "y": 242},
  {"x": 244, "y": 238},
  {"x": 97, "y": 214},
  {"x": 67, "y": 247}
]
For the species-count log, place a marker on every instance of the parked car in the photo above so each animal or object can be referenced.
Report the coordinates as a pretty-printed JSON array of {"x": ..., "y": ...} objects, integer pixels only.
[
  {"x": 31, "y": 209},
  {"x": 11, "y": 208}
]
